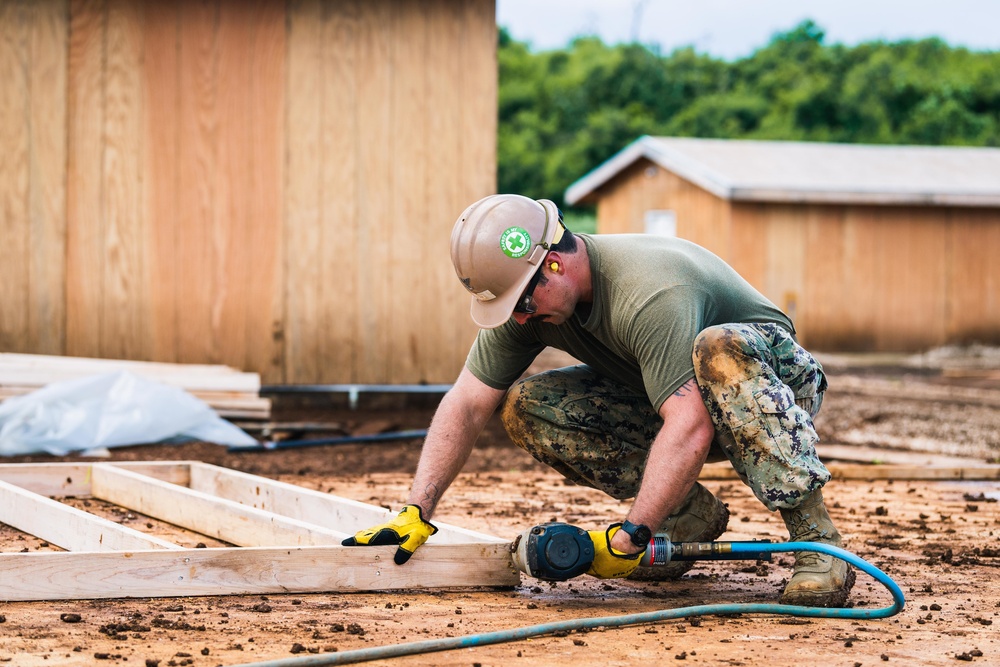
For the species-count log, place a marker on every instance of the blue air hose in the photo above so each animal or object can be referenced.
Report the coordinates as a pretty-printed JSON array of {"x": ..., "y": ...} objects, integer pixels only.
[{"x": 501, "y": 636}]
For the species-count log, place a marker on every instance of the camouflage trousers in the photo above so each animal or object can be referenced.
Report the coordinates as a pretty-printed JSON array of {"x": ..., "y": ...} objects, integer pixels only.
[{"x": 761, "y": 390}]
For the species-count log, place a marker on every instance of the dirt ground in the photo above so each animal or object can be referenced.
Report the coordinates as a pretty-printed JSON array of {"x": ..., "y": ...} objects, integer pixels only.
[{"x": 939, "y": 540}]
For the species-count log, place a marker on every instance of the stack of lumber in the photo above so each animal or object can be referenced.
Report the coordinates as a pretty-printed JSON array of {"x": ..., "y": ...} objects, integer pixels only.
[{"x": 229, "y": 392}]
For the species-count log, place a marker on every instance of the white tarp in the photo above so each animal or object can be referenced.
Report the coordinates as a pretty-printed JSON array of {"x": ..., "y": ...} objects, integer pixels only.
[{"x": 108, "y": 410}]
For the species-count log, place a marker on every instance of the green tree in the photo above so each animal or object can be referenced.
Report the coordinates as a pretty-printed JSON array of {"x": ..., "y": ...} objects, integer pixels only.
[{"x": 563, "y": 112}]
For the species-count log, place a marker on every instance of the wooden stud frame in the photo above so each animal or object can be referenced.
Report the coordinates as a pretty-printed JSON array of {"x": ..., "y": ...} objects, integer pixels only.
[{"x": 287, "y": 537}]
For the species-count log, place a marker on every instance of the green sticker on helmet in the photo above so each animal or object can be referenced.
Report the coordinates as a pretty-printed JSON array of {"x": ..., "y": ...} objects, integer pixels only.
[{"x": 515, "y": 242}]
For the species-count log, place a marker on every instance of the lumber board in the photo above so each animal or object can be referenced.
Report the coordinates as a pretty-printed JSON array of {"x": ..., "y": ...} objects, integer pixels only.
[
  {"x": 221, "y": 401},
  {"x": 244, "y": 382},
  {"x": 107, "y": 560},
  {"x": 315, "y": 507},
  {"x": 73, "y": 479},
  {"x": 883, "y": 456},
  {"x": 47, "y": 180},
  {"x": 160, "y": 183},
  {"x": 85, "y": 228},
  {"x": 203, "y": 513},
  {"x": 917, "y": 391},
  {"x": 15, "y": 171},
  {"x": 849, "y": 471},
  {"x": 68, "y": 527},
  {"x": 124, "y": 316},
  {"x": 256, "y": 570},
  {"x": 96, "y": 365}
]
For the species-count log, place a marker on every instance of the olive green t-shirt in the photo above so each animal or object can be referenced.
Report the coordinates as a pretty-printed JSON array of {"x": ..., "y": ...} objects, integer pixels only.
[{"x": 652, "y": 296}]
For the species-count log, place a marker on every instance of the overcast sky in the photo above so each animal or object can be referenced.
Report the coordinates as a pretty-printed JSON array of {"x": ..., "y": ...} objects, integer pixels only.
[{"x": 735, "y": 28}]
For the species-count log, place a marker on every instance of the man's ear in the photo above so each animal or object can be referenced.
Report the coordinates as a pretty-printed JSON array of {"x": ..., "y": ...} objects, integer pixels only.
[{"x": 553, "y": 262}]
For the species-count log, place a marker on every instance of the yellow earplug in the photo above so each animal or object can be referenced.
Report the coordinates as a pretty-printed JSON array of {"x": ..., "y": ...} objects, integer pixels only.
[{"x": 554, "y": 266}]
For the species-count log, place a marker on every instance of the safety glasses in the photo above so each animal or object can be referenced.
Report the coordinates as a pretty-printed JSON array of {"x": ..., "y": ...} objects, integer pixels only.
[{"x": 526, "y": 304}]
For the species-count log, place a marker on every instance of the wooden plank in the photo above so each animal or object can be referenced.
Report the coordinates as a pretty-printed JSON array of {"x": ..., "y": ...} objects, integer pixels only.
[
  {"x": 914, "y": 391},
  {"x": 883, "y": 456},
  {"x": 846, "y": 471},
  {"x": 315, "y": 507},
  {"x": 204, "y": 513},
  {"x": 413, "y": 335},
  {"x": 784, "y": 281},
  {"x": 68, "y": 527},
  {"x": 197, "y": 121},
  {"x": 242, "y": 382},
  {"x": 15, "y": 170},
  {"x": 227, "y": 571},
  {"x": 340, "y": 348},
  {"x": 47, "y": 183},
  {"x": 475, "y": 92},
  {"x": 124, "y": 317},
  {"x": 374, "y": 132},
  {"x": 304, "y": 193},
  {"x": 445, "y": 190},
  {"x": 49, "y": 479},
  {"x": 973, "y": 276},
  {"x": 225, "y": 406},
  {"x": 263, "y": 230},
  {"x": 73, "y": 479},
  {"x": 58, "y": 362},
  {"x": 85, "y": 236},
  {"x": 231, "y": 213},
  {"x": 161, "y": 167}
]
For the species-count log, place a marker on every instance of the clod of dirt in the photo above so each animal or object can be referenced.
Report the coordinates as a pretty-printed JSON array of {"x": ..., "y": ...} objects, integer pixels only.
[
  {"x": 152, "y": 663},
  {"x": 355, "y": 629},
  {"x": 297, "y": 648},
  {"x": 70, "y": 618},
  {"x": 262, "y": 607}
]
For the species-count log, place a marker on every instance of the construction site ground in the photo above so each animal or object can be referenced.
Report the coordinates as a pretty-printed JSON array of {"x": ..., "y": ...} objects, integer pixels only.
[{"x": 940, "y": 540}]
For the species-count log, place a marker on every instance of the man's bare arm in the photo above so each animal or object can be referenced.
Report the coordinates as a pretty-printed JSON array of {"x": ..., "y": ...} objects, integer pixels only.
[
  {"x": 676, "y": 457},
  {"x": 457, "y": 423}
]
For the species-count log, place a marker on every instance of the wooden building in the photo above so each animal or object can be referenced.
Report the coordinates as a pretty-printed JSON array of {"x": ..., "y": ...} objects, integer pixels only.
[
  {"x": 885, "y": 248},
  {"x": 268, "y": 184}
]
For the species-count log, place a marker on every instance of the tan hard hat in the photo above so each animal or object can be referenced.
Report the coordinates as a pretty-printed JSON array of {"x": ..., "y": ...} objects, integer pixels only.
[{"x": 497, "y": 245}]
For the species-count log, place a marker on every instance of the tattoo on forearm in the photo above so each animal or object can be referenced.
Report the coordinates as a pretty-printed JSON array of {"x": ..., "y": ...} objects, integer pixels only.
[
  {"x": 431, "y": 495},
  {"x": 686, "y": 388}
]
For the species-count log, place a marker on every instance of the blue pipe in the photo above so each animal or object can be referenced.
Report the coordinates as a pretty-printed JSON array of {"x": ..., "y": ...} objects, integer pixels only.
[{"x": 501, "y": 636}]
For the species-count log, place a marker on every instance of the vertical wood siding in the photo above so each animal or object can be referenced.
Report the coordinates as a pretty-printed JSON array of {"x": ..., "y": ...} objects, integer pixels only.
[
  {"x": 881, "y": 278},
  {"x": 260, "y": 183},
  {"x": 33, "y": 47}
]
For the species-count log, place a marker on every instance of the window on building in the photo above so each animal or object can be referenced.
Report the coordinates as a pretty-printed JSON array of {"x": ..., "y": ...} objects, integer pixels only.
[{"x": 661, "y": 223}]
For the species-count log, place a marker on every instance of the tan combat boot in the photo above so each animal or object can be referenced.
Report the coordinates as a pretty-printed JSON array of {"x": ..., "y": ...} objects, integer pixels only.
[
  {"x": 818, "y": 580},
  {"x": 701, "y": 518}
]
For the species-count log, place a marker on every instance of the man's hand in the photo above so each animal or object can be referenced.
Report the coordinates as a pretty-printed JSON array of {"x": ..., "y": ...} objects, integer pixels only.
[
  {"x": 610, "y": 563},
  {"x": 408, "y": 529}
]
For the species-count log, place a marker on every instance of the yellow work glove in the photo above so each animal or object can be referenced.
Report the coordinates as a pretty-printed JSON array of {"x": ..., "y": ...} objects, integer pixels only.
[
  {"x": 408, "y": 529},
  {"x": 608, "y": 563}
]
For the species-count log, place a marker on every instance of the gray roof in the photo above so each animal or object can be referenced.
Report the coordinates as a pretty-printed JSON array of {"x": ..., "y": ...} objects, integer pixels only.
[{"x": 791, "y": 171}]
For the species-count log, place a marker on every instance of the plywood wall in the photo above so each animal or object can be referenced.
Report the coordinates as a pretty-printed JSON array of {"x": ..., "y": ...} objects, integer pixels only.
[
  {"x": 260, "y": 183},
  {"x": 879, "y": 278},
  {"x": 32, "y": 176}
]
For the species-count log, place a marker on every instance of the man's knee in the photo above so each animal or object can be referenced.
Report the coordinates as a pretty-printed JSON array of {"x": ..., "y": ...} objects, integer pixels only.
[{"x": 720, "y": 354}]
